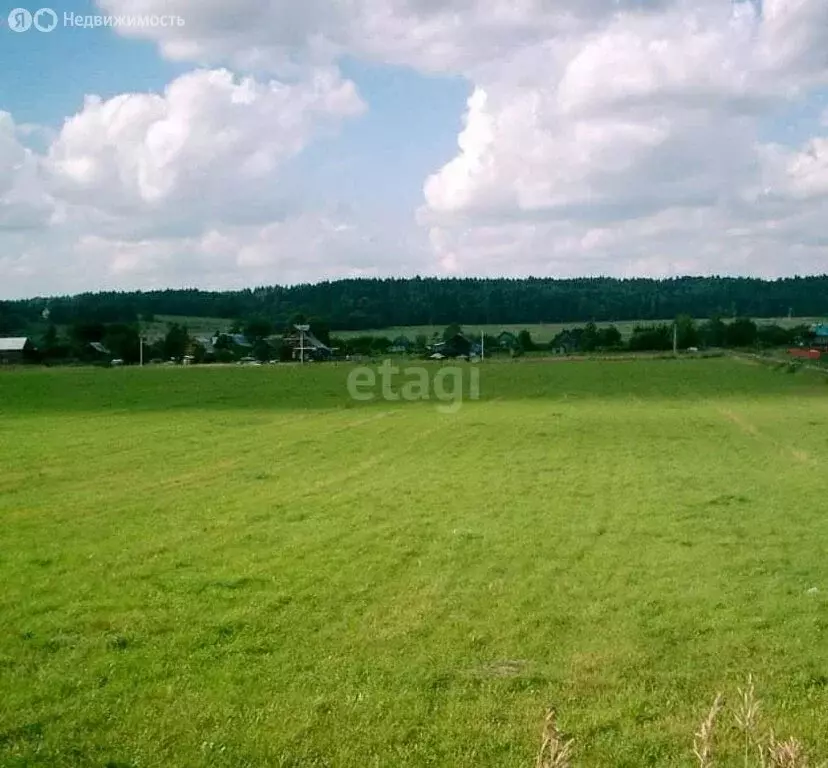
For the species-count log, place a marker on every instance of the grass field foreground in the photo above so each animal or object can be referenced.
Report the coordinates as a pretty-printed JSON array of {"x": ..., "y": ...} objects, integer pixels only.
[{"x": 243, "y": 567}]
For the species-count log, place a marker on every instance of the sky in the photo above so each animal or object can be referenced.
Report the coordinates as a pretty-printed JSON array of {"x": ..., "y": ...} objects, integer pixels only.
[{"x": 198, "y": 143}]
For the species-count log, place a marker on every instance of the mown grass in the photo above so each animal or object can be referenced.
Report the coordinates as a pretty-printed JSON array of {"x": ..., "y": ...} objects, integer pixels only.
[{"x": 243, "y": 567}]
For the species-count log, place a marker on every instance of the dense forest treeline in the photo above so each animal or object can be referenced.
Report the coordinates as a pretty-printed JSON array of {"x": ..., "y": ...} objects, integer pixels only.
[{"x": 380, "y": 303}]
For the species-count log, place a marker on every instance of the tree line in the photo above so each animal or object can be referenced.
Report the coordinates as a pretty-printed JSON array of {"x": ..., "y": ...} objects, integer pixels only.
[
  {"x": 365, "y": 304},
  {"x": 685, "y": 333}
]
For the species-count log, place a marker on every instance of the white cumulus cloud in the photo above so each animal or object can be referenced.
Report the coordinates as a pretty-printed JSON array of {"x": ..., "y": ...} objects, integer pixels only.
[
  {"x": 133, "y": 189},
  {"x": 602, "y": 136}
]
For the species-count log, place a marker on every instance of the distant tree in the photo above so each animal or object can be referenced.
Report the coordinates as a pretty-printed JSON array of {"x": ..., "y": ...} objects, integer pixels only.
[
  {"x": 741, "y": 332},
  {"x": 285, "y": 353},
  {"x": 320, "y": 329},
  {"x": 610, "y": 338},
  {"x": 85, "y": 333},
  {"x": 154, "y": 350},
  {"x": 651, "y": 338},
  {"x": 338, "y": 345},
  {"x": 568, "y": 340},
  {"x": 50, "y": 338},
  {"x": 7, "y": 319},
  {"x": 772, "y": 335},
  {"x": 199, "y": 353},
  {"x": 380, "y": 345},
  {"x": 262, "y": 351},
  {"x": 589, "y": 338},
  {"x": 297, "y": 318},
  {"x": 490, "y": 345},
  {"x": 257, "y": 328},
  {"x": 451, "y": 331},
  {"x": 420, "y": 343},
  {"x": 223, "y": 341},
  {"x": 176, "y": 342},
  {"x": 51, "y": 347},
  {"x": 712, "y": 333},
  {"x": 802, "y": 334},
  {"x": 368, "y": 345},
  {"x": 687, "y": 335},
  {"x": 122, "y": 341},
  {"x": 525, "y": 342}
]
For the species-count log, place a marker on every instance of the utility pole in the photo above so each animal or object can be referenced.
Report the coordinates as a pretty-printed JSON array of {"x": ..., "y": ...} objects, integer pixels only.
[
  {"x": 675, "y": 338},
  {"x": 140, "y": 342},
  {"x": 303, "y": 329},
  {"x": 482, "y": 346}
]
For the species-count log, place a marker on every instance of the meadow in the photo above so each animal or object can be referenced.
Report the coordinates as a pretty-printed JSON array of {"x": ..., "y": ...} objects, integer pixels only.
[
  {"x": 543, "y": 333},
  {"x": 233, "y": 566},
  {"x": 197, "y": 326}
]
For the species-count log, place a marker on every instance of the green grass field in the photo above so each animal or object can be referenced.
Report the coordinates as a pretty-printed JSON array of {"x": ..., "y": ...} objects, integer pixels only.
[
  {"x": 197, "y": 326},
  {"x": 237, "y": 566},
  {"x": 543, "y": 333}
]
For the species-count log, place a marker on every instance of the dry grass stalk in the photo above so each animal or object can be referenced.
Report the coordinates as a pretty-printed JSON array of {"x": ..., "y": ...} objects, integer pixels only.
[
  {"x": 747, "y": 718},
  {"x": 554, "y": 751},
  {"x": 786, "y": 754},
  {"x": 703, "y": 741}
]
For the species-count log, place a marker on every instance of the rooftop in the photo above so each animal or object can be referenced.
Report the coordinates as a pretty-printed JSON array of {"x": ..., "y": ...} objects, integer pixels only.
[{"x": 13, "y": 344}]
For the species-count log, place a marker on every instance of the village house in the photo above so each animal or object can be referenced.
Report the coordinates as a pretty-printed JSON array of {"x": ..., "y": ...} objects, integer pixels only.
[
  {"x": 16, "y": 349},
  {"x": 507, "y": 341},
  {"x": 305, "y": 346},
  {"x": 457, "y": 346},
  {"x": 401, "y": 345}
]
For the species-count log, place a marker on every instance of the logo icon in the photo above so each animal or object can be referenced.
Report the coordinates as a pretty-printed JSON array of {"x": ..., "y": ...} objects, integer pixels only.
[
  {"x": 20, "y": 20},
  {"x": 45, "y": 20}
]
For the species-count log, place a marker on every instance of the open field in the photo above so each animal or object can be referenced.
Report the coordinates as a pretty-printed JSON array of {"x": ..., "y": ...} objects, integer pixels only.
[
  {"x": 544, "y": 333},
  {"x": 238, "y": 566},
  {"x": 541, "y": 333},
  {"x": 197, "y": 326}
]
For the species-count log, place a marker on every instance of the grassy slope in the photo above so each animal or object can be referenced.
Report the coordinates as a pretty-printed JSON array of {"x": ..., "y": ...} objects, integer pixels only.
[{"x": 229, "y": 567}]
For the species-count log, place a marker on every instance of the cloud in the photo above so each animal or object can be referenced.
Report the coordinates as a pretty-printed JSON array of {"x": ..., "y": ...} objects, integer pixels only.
[
  {"x": 638, "y": 148},
  {"x": 23, "y": 202},
  {"x": 587, "y": 118},
  {"x": 449, "y": 35},
  {"x": 302, "y": 247},
  {"x": 136, "y": 190},
  {"x": 208, "y": 148},
  {"x": 602, "y": 137}
]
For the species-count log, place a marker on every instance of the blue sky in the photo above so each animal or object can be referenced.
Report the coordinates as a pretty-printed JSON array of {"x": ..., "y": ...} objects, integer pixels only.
[
  {"x": 411, "y": 124},
  {"x": 409, "y": 129},
  {"x": 467, "y": 137},
  {"x": 47, "y": 75}
]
